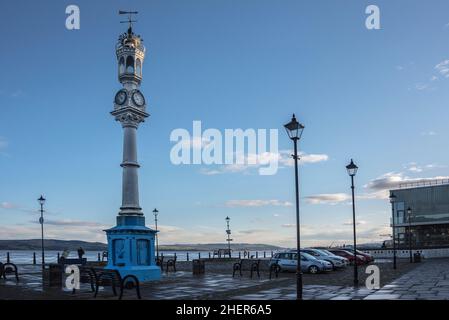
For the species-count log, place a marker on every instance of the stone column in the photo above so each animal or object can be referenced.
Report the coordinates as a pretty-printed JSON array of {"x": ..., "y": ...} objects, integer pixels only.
[{"x": 130, "y": 180}]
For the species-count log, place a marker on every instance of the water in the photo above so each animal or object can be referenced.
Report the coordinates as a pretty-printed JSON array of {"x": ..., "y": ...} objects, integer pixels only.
[{"x": 26, "y": 256}]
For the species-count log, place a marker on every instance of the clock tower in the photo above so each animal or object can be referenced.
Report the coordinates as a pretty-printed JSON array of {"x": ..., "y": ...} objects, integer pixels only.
[{"x": 131, "y": 243}]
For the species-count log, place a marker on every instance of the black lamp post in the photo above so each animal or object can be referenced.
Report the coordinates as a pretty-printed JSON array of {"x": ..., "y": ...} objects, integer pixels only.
[
  {"x": 294, "y": 130},
  {"x": 41, "y": 221},
  {"x": 409, "y": 215},
  {"x": 352, "y": 170},
  {"x": 392, "y": 201},
  {"x": 228, "y": 232},
  {"x": 156, "y": 212}
]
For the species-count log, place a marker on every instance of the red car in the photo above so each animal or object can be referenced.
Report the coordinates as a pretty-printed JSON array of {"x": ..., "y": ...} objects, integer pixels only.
[
  {"x": 348, "y": 255},
  {"x": 369, "y": 258}
]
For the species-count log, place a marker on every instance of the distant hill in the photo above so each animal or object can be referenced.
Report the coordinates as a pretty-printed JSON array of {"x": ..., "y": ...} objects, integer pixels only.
[
  {"x": 213, "y": 246},
  {"x": 59, "y": 245},
  {"x": 51, "y": 244}
]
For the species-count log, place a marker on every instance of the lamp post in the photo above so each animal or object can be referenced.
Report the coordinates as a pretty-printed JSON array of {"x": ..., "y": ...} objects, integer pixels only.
[
  {"x": 155, "y": 212},
  {"x": 41, "y": 201},
  {"x": 392, "y": 201},
  {"x": 228, "y": 232},
  {"x": 352, "y": 170},
  {"x": 294, "y": 130},
  {"x": 409, "y": 214}
]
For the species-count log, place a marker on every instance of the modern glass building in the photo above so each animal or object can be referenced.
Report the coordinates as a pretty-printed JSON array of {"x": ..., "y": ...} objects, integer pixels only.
[{"x": 426, "y": 224}]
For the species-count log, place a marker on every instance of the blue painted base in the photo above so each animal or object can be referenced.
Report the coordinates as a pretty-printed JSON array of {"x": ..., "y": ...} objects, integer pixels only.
[
  {"x": 149, "y": 273},
  {"x": 131, "y": 249}
]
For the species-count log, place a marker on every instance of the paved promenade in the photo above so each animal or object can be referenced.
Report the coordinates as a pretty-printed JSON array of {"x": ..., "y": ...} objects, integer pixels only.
[{"x": 427, "y": 280}]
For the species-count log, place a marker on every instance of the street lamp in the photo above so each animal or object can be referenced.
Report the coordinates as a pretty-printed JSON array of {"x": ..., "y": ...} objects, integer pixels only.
[
  {"x": 228, "y": 232},
  {"x": 392, "y": 201},
  {"x": 352, "y": 170},
  {"x": 409, "y": 214},
  {"x": 155, "y": 212},
  {"x": 294, "y": 130},
  {"x": 41, "y": 201}
]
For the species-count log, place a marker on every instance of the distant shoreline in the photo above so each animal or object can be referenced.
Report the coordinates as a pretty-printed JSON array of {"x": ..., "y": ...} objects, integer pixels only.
[{"x": 60, "y": 245}]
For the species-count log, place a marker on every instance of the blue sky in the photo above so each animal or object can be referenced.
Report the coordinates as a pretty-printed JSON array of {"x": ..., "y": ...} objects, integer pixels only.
[{"x": 379, "y": 96}]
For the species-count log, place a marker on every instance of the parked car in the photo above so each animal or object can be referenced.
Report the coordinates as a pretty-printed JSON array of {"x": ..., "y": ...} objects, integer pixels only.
[
  {"x": 287, "y": 261},
  {"x": 369, "y": 258},
  {"x": 359, "y": 260},
  {"x": 345, "y": 260},
  {"x": 336, "y": 261}
]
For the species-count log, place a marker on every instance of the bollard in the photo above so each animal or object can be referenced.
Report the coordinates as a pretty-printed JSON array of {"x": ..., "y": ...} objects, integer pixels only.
[
  {"x": 34, "y": 257},
  {"x": 58, "y": 258},
  {"x": 257, "y": 254},
  {"x": 272, "y": 254},
  {"x": 264, "y": 255},
  {"x": 187, "y": 256},
  {"x": 7, "y": 257},
  {"x": 99, "y": 258},
  {"x": 240, "y": 255},
  {"x": 209, "y": 254},
  {"x": 199, "y": 255}
]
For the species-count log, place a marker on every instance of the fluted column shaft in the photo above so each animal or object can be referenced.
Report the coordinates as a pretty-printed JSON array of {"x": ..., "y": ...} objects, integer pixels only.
[{"x": 130, "y": 180}]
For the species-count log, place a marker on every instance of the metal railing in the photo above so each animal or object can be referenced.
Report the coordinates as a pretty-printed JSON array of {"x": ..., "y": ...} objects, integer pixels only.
[{"x": 423, "y": 183}]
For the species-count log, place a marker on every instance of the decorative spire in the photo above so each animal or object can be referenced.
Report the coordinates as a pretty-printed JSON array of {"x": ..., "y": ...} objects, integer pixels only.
[{"x": 130, "y": 21}]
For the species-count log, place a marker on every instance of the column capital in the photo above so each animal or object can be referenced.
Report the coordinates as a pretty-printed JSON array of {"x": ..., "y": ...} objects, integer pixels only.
[{"x": 129, "y": 116}]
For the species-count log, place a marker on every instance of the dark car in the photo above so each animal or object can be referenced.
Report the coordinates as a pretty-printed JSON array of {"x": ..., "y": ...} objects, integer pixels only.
[
  {"x": 369, "y": 258},
  {"x": 348, "y": 255}
]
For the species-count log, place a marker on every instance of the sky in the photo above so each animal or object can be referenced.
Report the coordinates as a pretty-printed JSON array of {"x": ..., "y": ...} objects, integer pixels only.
[{"x": 377, "y": 96}]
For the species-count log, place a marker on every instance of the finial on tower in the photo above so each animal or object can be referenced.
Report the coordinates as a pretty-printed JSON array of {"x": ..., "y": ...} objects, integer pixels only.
[{"x": 130, "y": 21}]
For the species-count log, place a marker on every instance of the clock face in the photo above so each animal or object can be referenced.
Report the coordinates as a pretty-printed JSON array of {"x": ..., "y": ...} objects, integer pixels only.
[
  {"x": 138, "y": 98},
  {"x": 121, "y": 97}
]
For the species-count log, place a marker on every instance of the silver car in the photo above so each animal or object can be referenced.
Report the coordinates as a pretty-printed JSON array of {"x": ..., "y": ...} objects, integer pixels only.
[
  {"x": 287, "y": 261},
  {"x": 336, "y": 261}
]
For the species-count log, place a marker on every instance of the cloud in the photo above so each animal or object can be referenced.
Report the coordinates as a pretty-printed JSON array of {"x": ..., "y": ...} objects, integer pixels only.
[
  {"x": 8, "y": 205},
  {"x": 254, "y": 161},
  {"x": 443, "y": 68},
  {"x": 32, "y": 231},
  {"x": 250, "y": 231},
  {"x": 288, "y": 225},
  {"x": 3, "y": 143},
  {"x": 358, "y": 222},
  {"x": 328, "y": 198},
  {"x": 394, "y": 180},
  {"x": 257, "y": 203},
  {"x": 285, "y": 158},
  {"x": 421, "y": 86},
  {"x": 428, "y": 133},
  {"x": 71, "y": 223}
]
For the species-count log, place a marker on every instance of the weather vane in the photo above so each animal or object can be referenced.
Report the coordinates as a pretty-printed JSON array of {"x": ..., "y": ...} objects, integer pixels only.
[{"x": 130, "y": 21}]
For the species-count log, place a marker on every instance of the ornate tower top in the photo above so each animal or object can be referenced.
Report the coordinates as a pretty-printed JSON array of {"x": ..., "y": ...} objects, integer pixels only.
[
  {"x": 129, "y": 102},
  {"x": 130, "y": 54}
]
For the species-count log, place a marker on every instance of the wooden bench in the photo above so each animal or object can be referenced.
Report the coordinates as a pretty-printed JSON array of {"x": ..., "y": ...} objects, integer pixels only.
[
  {"x": 8, "y": 268},
  {"x": 254, "y": 267},
  {"x": 87, "y": 275},
  {"x": 109, "y": 277}
]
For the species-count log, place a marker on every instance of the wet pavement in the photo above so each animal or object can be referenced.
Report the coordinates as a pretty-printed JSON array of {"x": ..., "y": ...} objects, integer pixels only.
[{"x": 428, "y": 280}]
